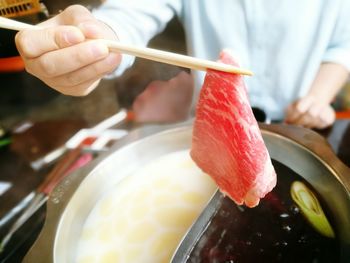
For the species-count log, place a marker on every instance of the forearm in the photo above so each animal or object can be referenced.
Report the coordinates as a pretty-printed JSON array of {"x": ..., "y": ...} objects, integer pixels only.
[{"x": 329, "y": 80}]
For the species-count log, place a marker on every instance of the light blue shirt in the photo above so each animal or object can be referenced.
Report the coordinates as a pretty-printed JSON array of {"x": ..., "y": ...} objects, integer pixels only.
[{"x": 282, "y": 41}]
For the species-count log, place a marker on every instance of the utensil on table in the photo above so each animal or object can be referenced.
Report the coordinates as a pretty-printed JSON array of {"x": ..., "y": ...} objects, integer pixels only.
[
  {"x": 40, "y": 195},
  {"x": 73, "y": 159},
  {"x": 98, "y": 132},
  {"x": 17, "y": 209},
  {"x": 101, "y": 136},
  {"x": 147, "y": 53}
]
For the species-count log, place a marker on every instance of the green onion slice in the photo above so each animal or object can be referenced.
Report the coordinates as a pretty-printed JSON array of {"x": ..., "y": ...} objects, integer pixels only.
[{"x": 311, "y": 208}]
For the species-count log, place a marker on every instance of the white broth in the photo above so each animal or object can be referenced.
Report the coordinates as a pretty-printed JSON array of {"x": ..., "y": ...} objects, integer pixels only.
[{"x": 146, "y": 215}]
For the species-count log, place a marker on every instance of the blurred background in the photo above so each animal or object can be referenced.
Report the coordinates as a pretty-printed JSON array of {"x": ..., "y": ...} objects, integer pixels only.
[{"x": 26, "y": 98}]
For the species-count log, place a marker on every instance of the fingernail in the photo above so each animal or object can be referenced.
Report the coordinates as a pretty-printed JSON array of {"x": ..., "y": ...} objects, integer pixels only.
[
  {"x": 73, "y": 37},
  {"x": 99, "y": 50},
  {"x": 90, "y": 29}
]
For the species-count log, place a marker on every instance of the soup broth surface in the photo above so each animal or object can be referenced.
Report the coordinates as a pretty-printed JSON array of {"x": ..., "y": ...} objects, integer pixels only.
[{"x": 145, "y": 216}]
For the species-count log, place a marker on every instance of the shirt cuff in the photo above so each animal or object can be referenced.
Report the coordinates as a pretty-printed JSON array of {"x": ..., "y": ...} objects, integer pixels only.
[
  {"x": 339, "y": 56},
  {"x": 127, "y": 60}
]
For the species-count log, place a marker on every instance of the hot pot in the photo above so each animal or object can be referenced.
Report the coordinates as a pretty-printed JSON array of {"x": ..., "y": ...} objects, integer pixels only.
[{"x": 302, "y": 150}]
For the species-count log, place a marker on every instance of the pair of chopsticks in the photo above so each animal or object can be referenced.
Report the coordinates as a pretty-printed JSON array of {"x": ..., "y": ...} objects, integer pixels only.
[{"x": 147, "y": 53}]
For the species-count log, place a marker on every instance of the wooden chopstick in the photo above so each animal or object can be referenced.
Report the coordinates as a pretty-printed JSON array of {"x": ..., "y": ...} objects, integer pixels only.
[
  {"x": 147, "y": 53},
  {"x": 15, "y": 25},
  {"x": 173, "y": 58}
]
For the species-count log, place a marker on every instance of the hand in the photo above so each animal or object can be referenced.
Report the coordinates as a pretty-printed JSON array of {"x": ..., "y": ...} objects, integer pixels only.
[
  {"x": 165, "y": 101},
  {"x": 63, "y": 55},
  {"x": 311, "y": 113}
]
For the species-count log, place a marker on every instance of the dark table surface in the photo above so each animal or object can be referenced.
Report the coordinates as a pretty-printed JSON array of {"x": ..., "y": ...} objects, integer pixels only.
[{"x": 53, "y": 118}]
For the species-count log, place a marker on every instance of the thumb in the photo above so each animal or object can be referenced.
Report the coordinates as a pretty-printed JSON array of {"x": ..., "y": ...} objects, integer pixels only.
[{"x": 34, "y": 43}]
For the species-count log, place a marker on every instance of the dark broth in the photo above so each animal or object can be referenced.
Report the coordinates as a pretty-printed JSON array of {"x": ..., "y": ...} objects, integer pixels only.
[{"x": 274, "y": 231}]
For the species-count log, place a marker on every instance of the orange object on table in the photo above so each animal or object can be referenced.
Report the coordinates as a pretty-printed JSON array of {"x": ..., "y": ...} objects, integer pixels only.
[
  {"x": 11, "y": 64},
  {"x": 342, "y": 114}
]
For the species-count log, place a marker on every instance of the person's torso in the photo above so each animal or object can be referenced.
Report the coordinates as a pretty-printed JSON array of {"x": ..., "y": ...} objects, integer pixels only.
[{"x": 281, "y": 41}]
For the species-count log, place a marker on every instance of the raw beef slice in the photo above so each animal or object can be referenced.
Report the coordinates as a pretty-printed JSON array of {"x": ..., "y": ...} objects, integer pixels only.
[{"x": 227, "y": 143}]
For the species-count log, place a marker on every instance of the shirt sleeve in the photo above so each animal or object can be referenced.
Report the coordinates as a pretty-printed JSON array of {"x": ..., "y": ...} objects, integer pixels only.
[
  {"x": 338, "y": 50},
  {"x": 136, "y": 21}
]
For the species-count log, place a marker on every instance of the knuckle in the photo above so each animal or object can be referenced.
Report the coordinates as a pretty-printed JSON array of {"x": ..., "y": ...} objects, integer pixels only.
[
  {"x": 49, "y": 36},
  {"x": 19, "y": 40},
  {"x": 328, "y": 116},
  {"x": 67, "y": 36},
  {"x": 79, "y": 59},
  {"x": 22, "y": 40},
  {"x": 99, "y": 68},
  {"x": 84, "y": 75},
  {"x": 32, "y": 69},
  {"x": 108, "y": 65},
  {"x": 298, "y": 108},
  {"x": 73, "y": 79},
  {"x": 101, "y": 72},
  {"x": 47, "y": 67},
  {"x": 313, "y": 113}
]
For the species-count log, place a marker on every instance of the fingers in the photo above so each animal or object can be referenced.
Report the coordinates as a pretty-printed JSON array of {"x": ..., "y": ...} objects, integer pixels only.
[
  {"x": 90, "y": 72},
  {"x": 79, "y": 90},
  {"x": 81, "y": 17},
  {"x": 310, "y": 115},
  {"x": 34, "y": 43},
  {"x": 327, "y": 118},
  {"x": 62, "y": 54},
  {"x": 56, "y": 63},
  {"x": 58, "y": 32},
  {"x": 79, "y": 82},
  {"x": 297, "y": 109},
  {"x": 97, "y": 29},
  {"x": 307, "y": 120}
]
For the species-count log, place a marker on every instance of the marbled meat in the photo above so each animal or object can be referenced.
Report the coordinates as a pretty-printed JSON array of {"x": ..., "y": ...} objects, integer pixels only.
[{"x": 227, "y": 143}]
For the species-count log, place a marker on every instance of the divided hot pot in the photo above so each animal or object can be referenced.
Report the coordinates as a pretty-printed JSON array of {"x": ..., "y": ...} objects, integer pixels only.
[{"x": 299, "y": 150}]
